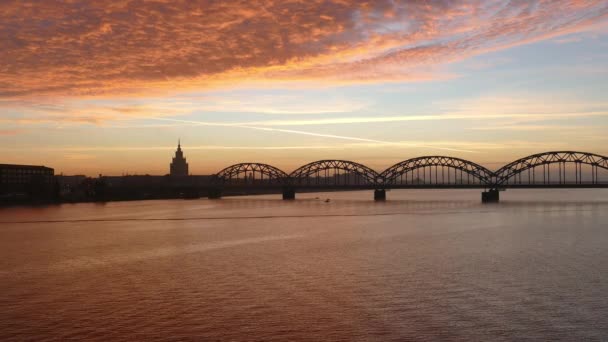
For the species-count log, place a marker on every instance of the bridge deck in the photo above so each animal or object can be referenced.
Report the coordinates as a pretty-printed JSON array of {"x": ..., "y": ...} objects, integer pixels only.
[{"x": 415, "y": 186}]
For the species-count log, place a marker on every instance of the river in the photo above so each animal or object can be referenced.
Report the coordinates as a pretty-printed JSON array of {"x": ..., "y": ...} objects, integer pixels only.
[{"x": 424, "y": 265}]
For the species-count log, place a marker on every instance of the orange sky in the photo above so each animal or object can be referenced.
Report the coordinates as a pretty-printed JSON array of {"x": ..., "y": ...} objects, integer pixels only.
[{"x": 109, "y": 86}]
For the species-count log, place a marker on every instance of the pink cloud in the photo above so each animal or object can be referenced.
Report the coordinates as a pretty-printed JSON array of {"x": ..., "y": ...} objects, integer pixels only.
[{"x": 107, "y": 47}]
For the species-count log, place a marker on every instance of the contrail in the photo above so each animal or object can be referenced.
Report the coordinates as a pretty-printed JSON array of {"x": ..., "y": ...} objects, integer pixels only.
[
  {"x": 316, "y": 134},
  {"x": 205, "y": 123},
  {"x": 290, "y": 131}
]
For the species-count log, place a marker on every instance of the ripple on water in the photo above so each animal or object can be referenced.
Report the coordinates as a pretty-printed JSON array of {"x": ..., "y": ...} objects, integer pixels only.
[{"x": 414, "y": 268}]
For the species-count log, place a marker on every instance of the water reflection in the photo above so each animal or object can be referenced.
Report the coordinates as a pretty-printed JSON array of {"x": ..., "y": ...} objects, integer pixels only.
[{"x": 425, "y": 265}]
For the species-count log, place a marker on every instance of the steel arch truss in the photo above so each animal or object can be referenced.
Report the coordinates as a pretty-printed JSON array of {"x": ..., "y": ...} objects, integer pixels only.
[
  {"x": 255, "y": 173},
  {"x": 480, "y": 173},
  {"x": 321, "y": 171},
  {"x": 348, "y": 174},
  {"x": 543, "y": 159}
]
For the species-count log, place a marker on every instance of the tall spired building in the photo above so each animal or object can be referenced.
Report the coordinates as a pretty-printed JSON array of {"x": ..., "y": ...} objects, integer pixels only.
[{"x": 179, "y": 167}]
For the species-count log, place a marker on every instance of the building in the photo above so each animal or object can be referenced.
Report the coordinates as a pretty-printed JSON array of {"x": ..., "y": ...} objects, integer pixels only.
[
  {"x": 178, "y": 166},
  {"x": 26, "y": 182},
  {"x": 69, "y": 183},
  {"x": 15, "y": 175}
]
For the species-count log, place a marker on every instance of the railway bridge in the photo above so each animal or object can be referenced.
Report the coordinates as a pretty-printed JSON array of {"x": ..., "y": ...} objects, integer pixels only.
[{"x": 557, "y": 169}]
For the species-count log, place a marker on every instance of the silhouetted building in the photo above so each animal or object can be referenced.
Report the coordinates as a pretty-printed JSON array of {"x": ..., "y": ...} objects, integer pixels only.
[
  {"x": 71, "y": 188},
  {"x": 70, "y": 181},
  {"x": 26, "y": 182},
  {"x": 11, "y": 174},
  {"x": 178, "y": 166}
]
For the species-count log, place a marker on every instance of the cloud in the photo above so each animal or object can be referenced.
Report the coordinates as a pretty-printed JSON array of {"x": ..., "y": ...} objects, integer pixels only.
[
  {"x": 534, "y": 128},
  {"x": 10, "y": 131},
  {"x": 70, "y": 112},
  {"x": 272, "y": 104},
  {"x": 59, "y": 111},
  {"x": 559, "y": 103},
  {"x": 567, "y": 40},
  {"x": 374, "y": 142},
  {"x": 79, "y": 156},
  {"x": 511, "y": 109},
  {"x": 93, "y": 48},
  {"x": 405, "y": 118},
  {"x": 459, "y": 146}
]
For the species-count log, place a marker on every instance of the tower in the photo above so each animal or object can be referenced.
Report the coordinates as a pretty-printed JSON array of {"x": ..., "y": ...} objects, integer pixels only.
[{"x": 178, "y": 166}]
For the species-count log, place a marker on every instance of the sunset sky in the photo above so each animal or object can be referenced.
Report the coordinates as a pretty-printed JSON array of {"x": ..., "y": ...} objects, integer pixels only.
[{"x": 90, "y": 87}]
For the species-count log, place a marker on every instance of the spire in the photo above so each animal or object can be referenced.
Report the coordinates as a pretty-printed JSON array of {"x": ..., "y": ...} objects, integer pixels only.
[{"x": 179, "y": 166}]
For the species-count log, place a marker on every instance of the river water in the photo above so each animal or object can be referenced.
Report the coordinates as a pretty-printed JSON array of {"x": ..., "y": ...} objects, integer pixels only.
[{"x": 425, "y": 265}]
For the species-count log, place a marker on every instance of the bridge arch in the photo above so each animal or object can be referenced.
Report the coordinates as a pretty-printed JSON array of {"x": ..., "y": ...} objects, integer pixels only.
[
  {"x": 515, "y": 169},
  {"x": 251, "y": 174},
  {"x": 334, "y": 172},
  {"x": 410, "y": 168}
]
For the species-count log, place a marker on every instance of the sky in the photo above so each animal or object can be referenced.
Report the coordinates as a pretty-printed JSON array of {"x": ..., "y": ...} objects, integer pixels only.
[{"x": 108, "y": 87}]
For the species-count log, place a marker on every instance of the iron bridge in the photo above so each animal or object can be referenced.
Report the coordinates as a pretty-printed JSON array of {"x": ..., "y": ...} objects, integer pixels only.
[{"x": 558, "y": 169}]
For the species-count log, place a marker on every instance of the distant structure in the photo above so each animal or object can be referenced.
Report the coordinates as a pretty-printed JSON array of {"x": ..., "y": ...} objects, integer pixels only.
[
  {"x": 178, "y": 166},
  {"x": 25, "y": 183},
  {"x": 11, "y": 174}
]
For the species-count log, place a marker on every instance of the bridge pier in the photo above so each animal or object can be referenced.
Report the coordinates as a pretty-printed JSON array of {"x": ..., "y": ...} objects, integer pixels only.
[
  {"x": 380, "y": 195},
  {"x": 490, "y": 196},
  {"x": 289, "y": 194},
  {"x": 214, "y": 193}
]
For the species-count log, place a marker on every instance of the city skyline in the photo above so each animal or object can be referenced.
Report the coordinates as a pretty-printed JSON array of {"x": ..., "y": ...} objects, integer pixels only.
[{"x": 90, "y": 88}]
